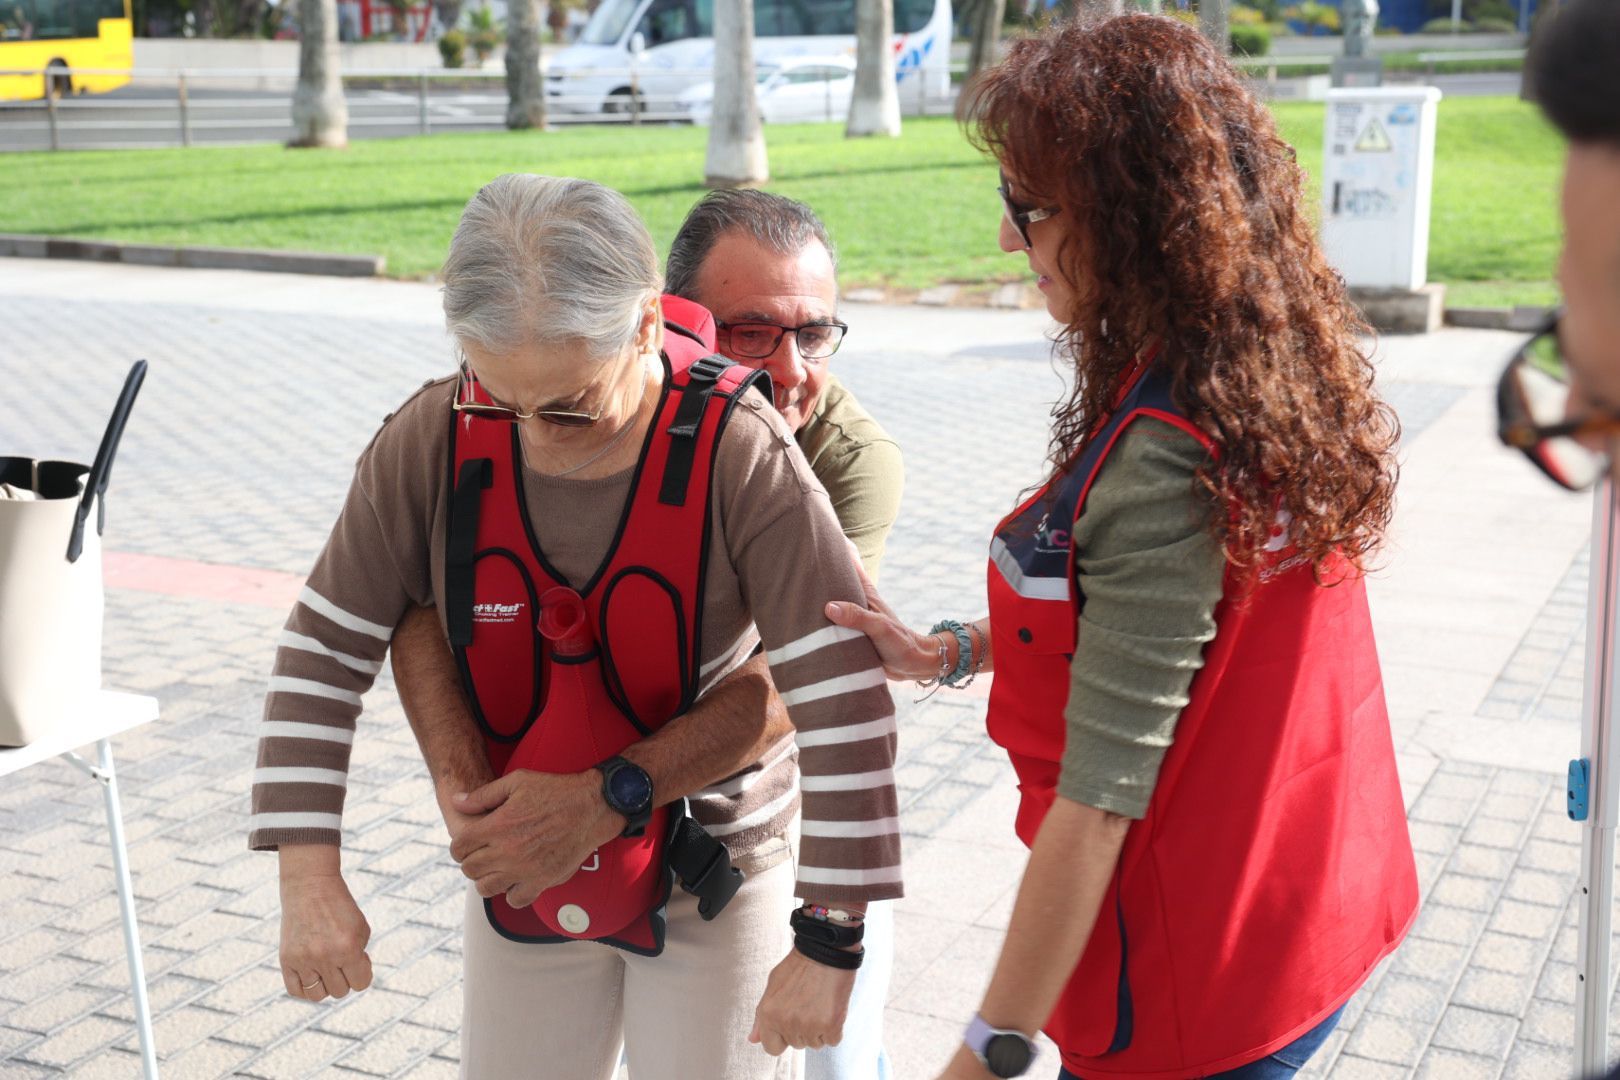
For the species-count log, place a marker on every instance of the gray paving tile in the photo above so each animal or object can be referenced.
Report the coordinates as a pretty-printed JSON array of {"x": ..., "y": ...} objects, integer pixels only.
[{"x": 1486, "y": 1034}]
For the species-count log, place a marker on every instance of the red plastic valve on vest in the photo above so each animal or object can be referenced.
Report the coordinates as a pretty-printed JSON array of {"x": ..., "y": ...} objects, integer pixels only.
[{"x": 623, "y": 876}]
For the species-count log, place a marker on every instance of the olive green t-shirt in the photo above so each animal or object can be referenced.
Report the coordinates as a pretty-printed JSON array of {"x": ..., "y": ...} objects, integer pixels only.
[
  {"x": 1152, "y": 572},
  {"x": 860, "y": 467}
]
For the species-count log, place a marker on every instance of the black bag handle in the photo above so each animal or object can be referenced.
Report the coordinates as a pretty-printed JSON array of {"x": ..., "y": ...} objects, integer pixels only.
[{"x": 95, "y": 485}]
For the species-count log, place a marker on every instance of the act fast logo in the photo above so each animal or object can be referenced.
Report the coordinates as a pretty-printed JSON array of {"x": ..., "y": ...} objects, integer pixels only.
[{"x": 497, "y": 613}]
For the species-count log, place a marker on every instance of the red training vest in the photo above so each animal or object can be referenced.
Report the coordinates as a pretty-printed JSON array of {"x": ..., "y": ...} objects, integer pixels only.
[
  {"x": 1273, "y": 869},
  {"x": 560, "y": 679}
]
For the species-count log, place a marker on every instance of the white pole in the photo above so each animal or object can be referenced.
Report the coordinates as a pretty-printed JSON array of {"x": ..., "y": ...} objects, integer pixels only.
[
  {"x": 1600, "y": 755},
  {"x": 126, "y": 907}
]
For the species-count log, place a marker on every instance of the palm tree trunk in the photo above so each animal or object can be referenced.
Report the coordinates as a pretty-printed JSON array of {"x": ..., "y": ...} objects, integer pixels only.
[
  {"x": 736, "y": 155},
  {"x": 525, "y": 98},
  {"x": 986, "y": 34},
  {"x": 1212, "y": 22},
  {"x": 320, "y": 115},
  {"x": 875, "y": 107}
]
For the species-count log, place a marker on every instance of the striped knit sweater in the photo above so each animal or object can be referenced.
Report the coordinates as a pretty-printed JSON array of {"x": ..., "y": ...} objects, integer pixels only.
[{"x": 777, "y": 557}]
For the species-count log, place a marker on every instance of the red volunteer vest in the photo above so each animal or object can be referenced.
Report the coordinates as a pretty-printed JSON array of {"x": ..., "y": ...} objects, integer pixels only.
[
  {"x": 559, "y": 679},
  {"x": 1273, "y": 869}
]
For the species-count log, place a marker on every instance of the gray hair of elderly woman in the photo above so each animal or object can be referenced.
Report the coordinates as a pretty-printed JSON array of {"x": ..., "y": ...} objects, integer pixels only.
[{"x": 546, "y": 260}]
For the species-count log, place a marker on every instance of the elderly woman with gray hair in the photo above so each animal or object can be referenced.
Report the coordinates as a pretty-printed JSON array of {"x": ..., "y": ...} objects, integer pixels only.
[{"x": 611, "y": 526}]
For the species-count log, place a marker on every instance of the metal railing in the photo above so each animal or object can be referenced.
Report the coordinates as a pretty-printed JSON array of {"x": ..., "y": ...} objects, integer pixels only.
[
  {"x": 184, "y": 106},
  {"x": 190, "y": 104},
  {"x": 1432, "y": 60},
  {"x": 1272, "y": 65}
]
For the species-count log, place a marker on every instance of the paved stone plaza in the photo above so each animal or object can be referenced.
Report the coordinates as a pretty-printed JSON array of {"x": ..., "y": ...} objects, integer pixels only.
[{"x": 262, "y": 391}]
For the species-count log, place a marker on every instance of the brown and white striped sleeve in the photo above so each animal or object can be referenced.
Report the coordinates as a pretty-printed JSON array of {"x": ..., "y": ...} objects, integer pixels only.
[
  {"x": 791, "y": 559},
  {"x": 374, "y": 563}
]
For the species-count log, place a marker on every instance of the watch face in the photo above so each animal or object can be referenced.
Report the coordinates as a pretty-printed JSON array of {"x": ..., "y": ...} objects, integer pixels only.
[
  {"x": 631, "y": 789},
  {"x": 1007, "y": 1055}
]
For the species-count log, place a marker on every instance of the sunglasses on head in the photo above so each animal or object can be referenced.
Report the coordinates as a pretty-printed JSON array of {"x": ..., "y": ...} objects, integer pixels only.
[
  {"x": 1021, "y": 216},
  {"x": 1538, "y": 414}
]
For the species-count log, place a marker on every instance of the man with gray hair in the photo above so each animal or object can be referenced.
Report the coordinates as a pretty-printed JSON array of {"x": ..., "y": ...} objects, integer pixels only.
[{"x": 764, "y": 266}]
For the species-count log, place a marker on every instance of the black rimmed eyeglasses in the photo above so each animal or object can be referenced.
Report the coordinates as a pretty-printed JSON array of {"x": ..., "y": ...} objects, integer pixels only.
[
  {"x": 1538, "y": 414},
  {"x": 1021, "y": 216},
  {"x": 757, "y": 340}
]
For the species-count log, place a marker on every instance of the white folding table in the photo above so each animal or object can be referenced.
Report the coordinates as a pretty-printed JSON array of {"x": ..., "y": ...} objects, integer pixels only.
[{"x": 103, "y": 716}]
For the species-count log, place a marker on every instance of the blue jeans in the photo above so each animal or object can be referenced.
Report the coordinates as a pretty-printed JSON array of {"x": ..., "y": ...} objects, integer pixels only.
[
  {"x": 1280, "y": 1065},
  {"x": 859, "y": 1055}
]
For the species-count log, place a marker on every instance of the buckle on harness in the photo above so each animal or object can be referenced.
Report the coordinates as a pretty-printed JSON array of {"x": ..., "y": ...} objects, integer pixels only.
[
  {"x": 703, "y": 867},
  {"x": 716, "y": 885}
]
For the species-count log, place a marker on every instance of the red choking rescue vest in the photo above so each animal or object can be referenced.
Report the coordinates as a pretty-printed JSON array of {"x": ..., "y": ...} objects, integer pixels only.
[
  {"x": 1273, "y": 869},
  {"x": 560, "y": 679}
]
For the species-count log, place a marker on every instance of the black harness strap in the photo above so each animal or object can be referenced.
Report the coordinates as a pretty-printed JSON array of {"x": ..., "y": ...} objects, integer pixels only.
[
  {"x": 476, "y": 475},
  {"x": 671, "y": 324},
  {"x": 703, "y": 866},
  {"x": 701, "y": 379}
]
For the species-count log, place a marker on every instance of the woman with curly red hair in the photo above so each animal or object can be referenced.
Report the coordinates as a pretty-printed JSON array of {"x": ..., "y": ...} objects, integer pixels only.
[{"x": 1186, "y": 678}]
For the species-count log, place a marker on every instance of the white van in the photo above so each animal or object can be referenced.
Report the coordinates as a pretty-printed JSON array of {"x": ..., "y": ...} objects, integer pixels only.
[{"x": 669, "y": 45}]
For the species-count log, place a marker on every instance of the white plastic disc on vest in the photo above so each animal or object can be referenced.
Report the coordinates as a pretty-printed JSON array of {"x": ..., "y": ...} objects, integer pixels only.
[{"x": 574, "y": 918}]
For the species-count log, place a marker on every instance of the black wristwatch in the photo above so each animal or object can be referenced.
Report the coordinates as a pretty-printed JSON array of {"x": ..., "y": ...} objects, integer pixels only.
[
  {"x": 1004, "y": 1053},
  {"x": 628, "y": 790}
]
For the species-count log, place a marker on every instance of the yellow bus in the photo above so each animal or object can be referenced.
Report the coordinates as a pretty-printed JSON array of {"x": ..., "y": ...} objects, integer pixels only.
[{"x": 53, "y": 36}]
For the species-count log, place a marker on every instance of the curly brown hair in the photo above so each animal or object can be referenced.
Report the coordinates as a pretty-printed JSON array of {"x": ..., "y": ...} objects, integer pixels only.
[{"x": 1184, "y": 218}]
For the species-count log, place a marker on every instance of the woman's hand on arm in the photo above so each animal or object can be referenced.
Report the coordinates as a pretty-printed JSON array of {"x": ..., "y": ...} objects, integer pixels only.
[
  {"x": 1070, "y": 867},
  {"x": 323, "y": 933},
  {"x": 907, "y": 654}
]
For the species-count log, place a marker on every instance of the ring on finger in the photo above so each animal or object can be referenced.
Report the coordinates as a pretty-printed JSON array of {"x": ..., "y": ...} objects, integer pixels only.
[{"x": 313, "y": 985}]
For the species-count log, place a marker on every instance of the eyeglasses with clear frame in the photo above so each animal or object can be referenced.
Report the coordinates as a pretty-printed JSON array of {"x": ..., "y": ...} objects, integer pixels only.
[
  {"x": 1021, "y": 216},
  {"x": 1535, "y": 413},
  {"x": 465, "y": 402},
  {"x": 757, "y": 340}
]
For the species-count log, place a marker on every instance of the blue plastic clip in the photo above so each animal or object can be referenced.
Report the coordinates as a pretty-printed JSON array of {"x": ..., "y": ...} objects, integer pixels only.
[{"x": 1578, "y": 798}]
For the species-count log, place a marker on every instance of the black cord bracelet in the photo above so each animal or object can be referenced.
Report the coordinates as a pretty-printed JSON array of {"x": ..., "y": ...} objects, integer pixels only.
[{"x": 822, "y": 953}]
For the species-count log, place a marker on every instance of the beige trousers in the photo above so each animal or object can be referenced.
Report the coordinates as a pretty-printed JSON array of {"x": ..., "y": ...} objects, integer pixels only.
[{"x": 562, "y": 1012}]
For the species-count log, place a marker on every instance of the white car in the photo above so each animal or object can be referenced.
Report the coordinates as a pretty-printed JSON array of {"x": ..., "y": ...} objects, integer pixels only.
[{"x": 794, "y": 90}]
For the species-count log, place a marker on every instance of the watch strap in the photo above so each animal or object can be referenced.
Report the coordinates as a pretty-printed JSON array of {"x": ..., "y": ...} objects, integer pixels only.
[{"x": 979, "y": 1037}]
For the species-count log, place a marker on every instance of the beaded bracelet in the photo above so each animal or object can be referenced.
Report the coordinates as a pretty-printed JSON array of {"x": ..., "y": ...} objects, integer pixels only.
[{"x": 932, "y": 685}]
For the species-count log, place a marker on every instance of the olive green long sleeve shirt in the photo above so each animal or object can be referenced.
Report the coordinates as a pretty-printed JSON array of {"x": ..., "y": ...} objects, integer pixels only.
[{"x": 1151, "y": 572}]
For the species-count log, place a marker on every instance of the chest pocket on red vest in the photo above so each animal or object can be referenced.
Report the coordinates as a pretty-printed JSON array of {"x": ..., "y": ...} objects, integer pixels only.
[
  {"x": 507, "y": 666},
  {"x": 1040, "y": 628},
  {"x": 642, "y": 617}
]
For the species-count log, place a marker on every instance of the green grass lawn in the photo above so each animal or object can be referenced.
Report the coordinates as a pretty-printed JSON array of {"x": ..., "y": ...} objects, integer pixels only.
[{"x": 906, "y": 213}]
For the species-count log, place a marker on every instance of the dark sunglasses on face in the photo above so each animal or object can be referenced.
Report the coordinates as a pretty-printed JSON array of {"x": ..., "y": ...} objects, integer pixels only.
[
  {"x": 757, "y": 340},
  {"x": 1537, "y": 413},
  {"x": 466, "y": 401},
  {"x": 1021, "y": 216}
]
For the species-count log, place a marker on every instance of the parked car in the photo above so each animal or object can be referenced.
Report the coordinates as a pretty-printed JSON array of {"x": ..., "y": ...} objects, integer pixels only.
[
  {"x": 637, "y": 55},
  {"x": 796, "y": 90}
]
